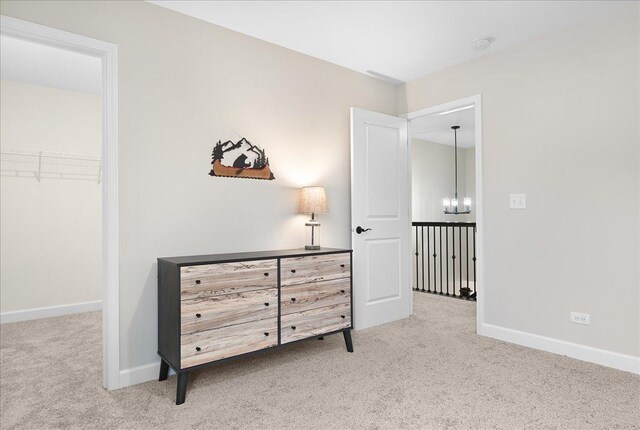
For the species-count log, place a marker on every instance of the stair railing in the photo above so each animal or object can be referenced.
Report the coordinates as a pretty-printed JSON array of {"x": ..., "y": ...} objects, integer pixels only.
[{"x": 445, "y": 258}]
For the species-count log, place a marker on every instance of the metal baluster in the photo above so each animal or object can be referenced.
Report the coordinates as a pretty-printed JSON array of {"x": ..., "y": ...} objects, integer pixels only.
[
  {"x": 453, "y": 257},
  {"x": 446, "y": 233},
  {"x": 475, "y": 281},
  {"x": 460, "y": 259},
  {"x": 467, "y": 259},
  {"x": 417, "y": 264},
  {"x": 422, "y": 233},
  {"x": 440, "y": 237},
  {"x": 428, "y": 265},
  {"x": 435, "y": 274}
]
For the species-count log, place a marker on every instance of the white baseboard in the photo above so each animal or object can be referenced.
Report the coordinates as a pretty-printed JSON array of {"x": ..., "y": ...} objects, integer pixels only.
[
  {"x": 140, "y": 374},
  {"x": 149, "y": 372},
  {"x": 603, "y": 357},
  {"x": 51, "y": 311}
]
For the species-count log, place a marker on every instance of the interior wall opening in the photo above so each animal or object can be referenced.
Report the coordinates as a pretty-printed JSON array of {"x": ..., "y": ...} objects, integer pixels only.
[
  {"x": 51, "y": 196},
  {"x": 444, "y": 203}
]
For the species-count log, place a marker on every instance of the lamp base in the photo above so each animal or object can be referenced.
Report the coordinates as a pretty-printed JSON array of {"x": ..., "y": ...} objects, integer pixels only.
[{"x": 312, "y": 247}]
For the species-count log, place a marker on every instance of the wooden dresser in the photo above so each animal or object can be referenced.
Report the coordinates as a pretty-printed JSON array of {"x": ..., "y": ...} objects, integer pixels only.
[{"x": 217, "y": 307}]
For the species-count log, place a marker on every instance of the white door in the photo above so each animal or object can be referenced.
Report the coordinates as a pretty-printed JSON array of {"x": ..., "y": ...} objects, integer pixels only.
[{"x": 380, "y": 205}]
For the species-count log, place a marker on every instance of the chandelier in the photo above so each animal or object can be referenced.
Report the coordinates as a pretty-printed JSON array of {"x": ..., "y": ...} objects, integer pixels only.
[{"x": 451, "y": 205}]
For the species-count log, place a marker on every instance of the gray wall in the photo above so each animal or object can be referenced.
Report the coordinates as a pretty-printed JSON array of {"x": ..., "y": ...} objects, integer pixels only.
[
  {"x": 184, "y": 84},
  {"x": 561, "y": 124}
]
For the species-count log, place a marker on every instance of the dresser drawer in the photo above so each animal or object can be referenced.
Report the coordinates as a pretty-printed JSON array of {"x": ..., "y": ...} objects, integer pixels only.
[
  {"x": 225, "y": 278},
  {"x": 203, "y": 347},
  {"x": 314, "y": 322},
  {"x": 228, "y": 309},
  {"x": 303, "y": 297},
  {"x": 302, "y": 270}
]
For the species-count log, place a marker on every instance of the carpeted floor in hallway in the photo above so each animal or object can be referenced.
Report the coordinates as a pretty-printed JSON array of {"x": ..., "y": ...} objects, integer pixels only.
[{"x": 430, "y": 371}]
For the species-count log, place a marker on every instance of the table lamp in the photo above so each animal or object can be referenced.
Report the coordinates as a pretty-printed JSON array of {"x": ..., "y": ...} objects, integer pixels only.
[{"x": 313, "y": 200}]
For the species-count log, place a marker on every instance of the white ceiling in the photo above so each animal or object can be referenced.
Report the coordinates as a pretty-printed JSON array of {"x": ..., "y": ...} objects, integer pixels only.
[
  {"x": 401, "y": 39},
  {"x": 38, "y": 64},
  {"x": 437, "y": 128}
]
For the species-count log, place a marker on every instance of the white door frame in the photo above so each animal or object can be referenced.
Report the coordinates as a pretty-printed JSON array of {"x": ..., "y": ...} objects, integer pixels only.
[
  {"x": 108, "y": 53},
  {"x": 476, "y": 102}
]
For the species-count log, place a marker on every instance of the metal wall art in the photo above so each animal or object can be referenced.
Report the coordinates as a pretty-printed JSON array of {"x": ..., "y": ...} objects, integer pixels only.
[{"x": 249, "y": 161}]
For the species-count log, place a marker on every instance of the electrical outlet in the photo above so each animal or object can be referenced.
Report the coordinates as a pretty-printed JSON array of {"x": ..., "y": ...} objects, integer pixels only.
[
  {"x": 578, "y": 318},
  {"x": 518, "y": 201}
]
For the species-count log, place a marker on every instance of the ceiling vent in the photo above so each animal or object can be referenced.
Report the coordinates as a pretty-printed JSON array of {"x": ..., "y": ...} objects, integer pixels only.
[
  {"x": 482, "y": 43},
  {"x": 389, "y": 79}
]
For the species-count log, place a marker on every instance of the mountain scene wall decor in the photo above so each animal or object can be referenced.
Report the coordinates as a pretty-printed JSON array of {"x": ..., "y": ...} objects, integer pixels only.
[{"x": 249, "y": 161}]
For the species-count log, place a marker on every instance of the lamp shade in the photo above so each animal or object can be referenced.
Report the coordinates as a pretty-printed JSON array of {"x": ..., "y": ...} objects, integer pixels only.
[{"x": 312, "y": 200}]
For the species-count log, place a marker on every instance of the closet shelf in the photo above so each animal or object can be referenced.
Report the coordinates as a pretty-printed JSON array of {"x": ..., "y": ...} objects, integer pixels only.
[{"x": 54, "y": 165}]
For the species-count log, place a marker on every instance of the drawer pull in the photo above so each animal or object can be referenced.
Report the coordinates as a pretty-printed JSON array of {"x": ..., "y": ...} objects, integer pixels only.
[
  {"x": 198, "y": 315},
  {"x": 342, "y": 291},
  {"x": 342, "y": 316},
  {"x": 198, "y": 281},
  {"x": 293, "y": 270},
  {"x": 293, "y": 327},
  {"x": 266, "y": 333},
  {"x": 342, "y": 265},
  {"x": 266, "y": 274},
  {"x": 266, "y": 303},
  {"x": 293, "y": 299},
  {"x": 198, "y": 348}
]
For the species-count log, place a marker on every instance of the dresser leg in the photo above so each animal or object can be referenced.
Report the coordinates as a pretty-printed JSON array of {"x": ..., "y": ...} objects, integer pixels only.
[
  {"x": 182, "y": 387},
  {"x": 347, "y": 340},
  {"x": 164, "y": 370}
]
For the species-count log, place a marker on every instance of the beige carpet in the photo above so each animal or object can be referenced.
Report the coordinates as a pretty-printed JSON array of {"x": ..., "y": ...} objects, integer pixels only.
[{"x": 429, "y": 372}]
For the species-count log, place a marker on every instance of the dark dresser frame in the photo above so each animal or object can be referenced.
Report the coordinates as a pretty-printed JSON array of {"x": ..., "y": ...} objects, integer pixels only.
[{"x": 169, "y": 313}]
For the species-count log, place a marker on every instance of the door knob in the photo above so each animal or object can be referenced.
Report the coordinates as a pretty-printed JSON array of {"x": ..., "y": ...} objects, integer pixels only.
[{"x": 361, "y": 230}]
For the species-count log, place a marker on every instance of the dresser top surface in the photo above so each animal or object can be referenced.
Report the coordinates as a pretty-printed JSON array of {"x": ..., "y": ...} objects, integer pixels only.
[{"x": 244, "y": 256}]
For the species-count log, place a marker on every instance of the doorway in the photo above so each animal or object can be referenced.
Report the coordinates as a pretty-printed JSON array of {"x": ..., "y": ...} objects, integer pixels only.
[
  {"x": 457, "y": 268},
  {"x": 106, "y": 179},
  {"x": 380, "y": 150},
  {"x": 443, "y": 209}
]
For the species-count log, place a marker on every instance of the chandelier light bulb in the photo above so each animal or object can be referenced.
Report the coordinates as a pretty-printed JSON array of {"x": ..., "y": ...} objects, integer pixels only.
[
  {"x": 454, "y": 203},
  {"x": 446, "y": 202},
  {"x": 467, "y": 201}
]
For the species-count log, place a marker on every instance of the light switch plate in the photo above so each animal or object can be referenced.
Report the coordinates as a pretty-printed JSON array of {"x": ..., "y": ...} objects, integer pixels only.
[{"x": 518, "y": 201}]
